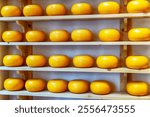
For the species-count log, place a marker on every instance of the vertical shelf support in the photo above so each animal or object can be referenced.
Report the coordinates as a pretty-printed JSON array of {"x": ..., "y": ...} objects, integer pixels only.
[
  {"x": 25, "y": 50},
  {"x": 125, "y": 50},
  {"x": 3, "y": 52}
]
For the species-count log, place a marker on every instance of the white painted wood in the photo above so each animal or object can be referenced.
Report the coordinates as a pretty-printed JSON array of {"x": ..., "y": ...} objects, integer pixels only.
[
  {"x": 78, "y": 17},
  {"x": 115, "y": 96},
  {"x": 73, "y": 69},
  {"x": 75, "y": 43}
]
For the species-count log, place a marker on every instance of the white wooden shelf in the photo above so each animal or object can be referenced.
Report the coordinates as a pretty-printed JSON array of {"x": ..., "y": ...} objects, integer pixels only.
[
  {"x": 75, "y": 43},
  {"x": 75, "y": 17},
  {"x": 73, "y": 69},
  {"x": 112, "y": 96}
]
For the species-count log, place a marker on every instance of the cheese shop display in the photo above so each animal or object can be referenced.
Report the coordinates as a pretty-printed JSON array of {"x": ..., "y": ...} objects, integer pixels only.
[{"x": 74, "y": 49}]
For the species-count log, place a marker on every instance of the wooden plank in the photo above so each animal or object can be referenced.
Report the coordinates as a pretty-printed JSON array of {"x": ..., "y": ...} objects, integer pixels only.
[
  {"x": 114, "y": 96},
  {"x": 73, "y": 69},
  {"x": 3, "y": 51},
  {"x": 129, "y": 49},
  {"x": 74, "y": 43},
  {"x": 77, "y": 17},
  {"x": 123, "y": 52}
]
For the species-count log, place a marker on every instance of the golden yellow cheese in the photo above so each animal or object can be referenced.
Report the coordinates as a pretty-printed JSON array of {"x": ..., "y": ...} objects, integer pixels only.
[
  {"x": 59, "y": 36},
  {"x": 35, "y": 36},
  {"x": 56, "y": 9},
  {"x": 109, "y": 35},
  {"x": 139, "y": 34},
  {"x": 138, "y": 6},
  {"x": 81, "y": 35},
  {"x": 109, "y": 7},
  {"x": 12, "y": 36},
  {"x": 100, "y": 87},
  {"x": 13, "y": 60},
  {"x": 10, "y": 11},
  {"x": 81, "y": 9},
  {"x": 35, "y": 85},
  {"x": 137, "y": 62},
  {"x": 107, "y": 62},
  {"x": 137, "y": 88},
  {"x": 78, "y": 86},
  {"x": 14, "y": 84},
  {"x": 59, "y": 61},
  {"x": 57, "y": 85},
  {"x": 83, "y": 61},
  {"x": 32, "y": 10},
  {"x": 36, "y": 61}
]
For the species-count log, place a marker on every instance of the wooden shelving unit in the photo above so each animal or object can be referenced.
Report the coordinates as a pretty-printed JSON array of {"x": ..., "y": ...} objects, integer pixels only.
[{"x": 26, "y": 49}]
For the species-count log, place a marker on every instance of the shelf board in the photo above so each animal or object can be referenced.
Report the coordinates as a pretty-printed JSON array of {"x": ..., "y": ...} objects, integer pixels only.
[
  {"x": 112, "y": 96},
  {"x": 73, "y": 69},
  {"x": 75, "y": 43},
  {"x": 75, "y": 17}
]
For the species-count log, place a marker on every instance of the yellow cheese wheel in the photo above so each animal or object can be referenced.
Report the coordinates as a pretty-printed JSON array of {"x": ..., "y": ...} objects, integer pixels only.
[
  {"x": 107, "y": 62},
  {"x": 59, "y": 61},
  {"x": 57, "y": 85},
  {"x": 78, "y": 86}
]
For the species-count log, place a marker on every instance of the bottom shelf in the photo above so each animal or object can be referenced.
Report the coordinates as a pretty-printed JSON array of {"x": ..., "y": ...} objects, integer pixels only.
[{"x": 112, "y": 96}]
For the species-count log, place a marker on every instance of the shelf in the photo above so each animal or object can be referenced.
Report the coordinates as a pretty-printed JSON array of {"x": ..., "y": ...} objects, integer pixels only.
[
  {"x": 75, "y": 43},
  {"x": 113, "y": 96},
  {"x": 73, "y": 69},
  {"x": 75, "y": 17}
]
